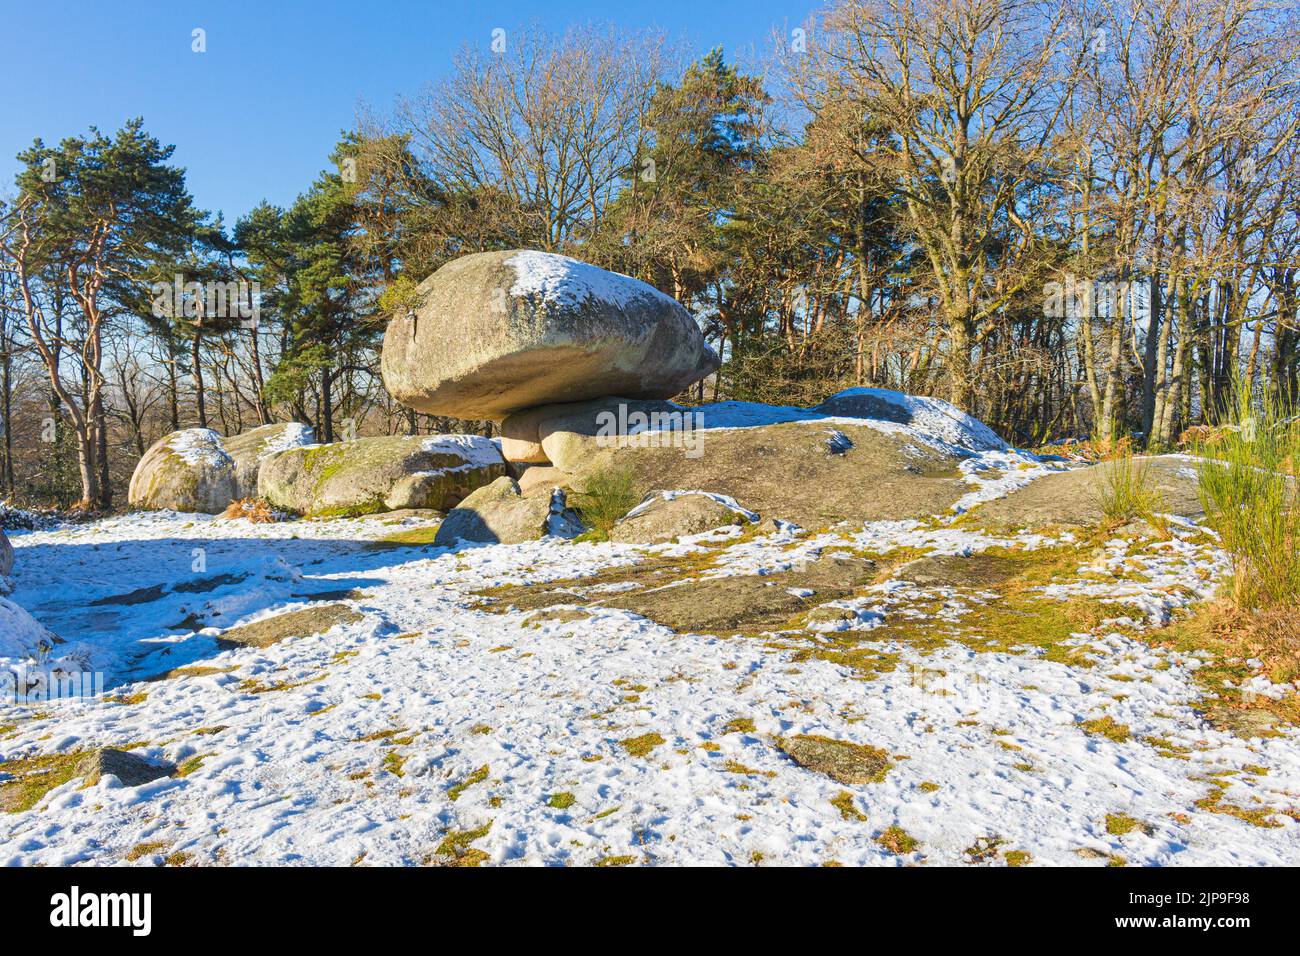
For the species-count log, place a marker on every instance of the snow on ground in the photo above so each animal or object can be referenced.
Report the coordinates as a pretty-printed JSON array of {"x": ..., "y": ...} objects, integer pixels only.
[{"x": 431, "y": 719}]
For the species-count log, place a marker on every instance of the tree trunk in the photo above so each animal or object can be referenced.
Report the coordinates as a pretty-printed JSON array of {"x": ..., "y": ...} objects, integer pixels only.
[{"x": 197, "y": 371}]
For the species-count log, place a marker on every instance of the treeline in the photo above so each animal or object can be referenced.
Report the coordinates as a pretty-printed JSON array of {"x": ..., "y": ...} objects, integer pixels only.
[{"x": 1071, "y": 219}]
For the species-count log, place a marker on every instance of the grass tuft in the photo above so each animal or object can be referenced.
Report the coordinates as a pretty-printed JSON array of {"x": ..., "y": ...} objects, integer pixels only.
[
  {"x": 1127, "y": 491},
  {"x": 606, "y": 496},
  {"x": 1248, "y": 486}
]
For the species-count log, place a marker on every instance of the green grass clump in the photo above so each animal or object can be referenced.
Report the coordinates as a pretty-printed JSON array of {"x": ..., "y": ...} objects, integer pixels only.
[
  {"x": 606, "y": 496},
  {"x": 478, "y": 776},
  {"x": 1120, "y": 824},
  {"x": 641, "y": 746},
  {"x": 1247, "y": 482},
  {"x": 843, "y": 802},
  {"x": 455, "y": 848},
  {"x": 1107, "y": 727},
  {"x": 897, "y": 840},
  {"x": 561, "y": 801}
]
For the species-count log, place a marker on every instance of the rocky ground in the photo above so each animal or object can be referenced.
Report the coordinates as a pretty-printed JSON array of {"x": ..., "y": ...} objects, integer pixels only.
[{"x": 970, "y": 688}]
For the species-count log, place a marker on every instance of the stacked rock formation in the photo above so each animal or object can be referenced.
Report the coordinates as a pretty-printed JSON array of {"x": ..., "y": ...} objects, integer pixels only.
[
  {"x": 515, "y": 337},
  {"x": 502, "y": 335}
]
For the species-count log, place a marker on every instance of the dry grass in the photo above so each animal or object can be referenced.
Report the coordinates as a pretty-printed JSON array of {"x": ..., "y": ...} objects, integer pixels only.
[{"x": 256, "y": 510}]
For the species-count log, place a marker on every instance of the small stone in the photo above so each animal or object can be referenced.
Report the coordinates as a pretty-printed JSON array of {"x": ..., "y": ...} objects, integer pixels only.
[{"x": 127, "y": 767}]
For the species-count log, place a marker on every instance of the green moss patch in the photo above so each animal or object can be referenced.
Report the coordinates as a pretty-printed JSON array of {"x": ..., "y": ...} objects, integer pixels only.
[
  {"x": 643, "y": 745},
  {"x": 455, "y": 848},
  {"x": 478, "y": 776},
  {"x": 33, "y": 777}
]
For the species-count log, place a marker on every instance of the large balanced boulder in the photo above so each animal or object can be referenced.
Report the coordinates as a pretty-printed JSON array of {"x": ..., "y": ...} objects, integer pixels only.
[
  {"x": 387, "y": 473},
  {"x": 499, "y": 514},
  {"x": 496, "y": 332},
  {"x": 195, "y": 469},
  {"x": 249, "y": 449},
  {"x": 188, "y": 470}
]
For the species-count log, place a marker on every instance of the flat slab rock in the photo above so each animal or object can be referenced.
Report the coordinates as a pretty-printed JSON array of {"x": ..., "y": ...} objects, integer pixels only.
[
  {"x": 665, "y": 517},
  {"x": 496, "y": 332},
  {"x": 307, "y": 622},
  {"x": 1073, "y": 498}
]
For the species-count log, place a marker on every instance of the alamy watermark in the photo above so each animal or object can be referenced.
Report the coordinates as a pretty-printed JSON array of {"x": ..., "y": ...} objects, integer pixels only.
[
  {"x": 1077, "y": 298},
  {"x": 24, "y": 685},
  {"x": 208, "y": 300},
  {"x": 681, "y": 428}
]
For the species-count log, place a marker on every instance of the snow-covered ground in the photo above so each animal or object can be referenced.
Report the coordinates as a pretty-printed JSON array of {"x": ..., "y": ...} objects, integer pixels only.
[{"x": 350, "y": 746}]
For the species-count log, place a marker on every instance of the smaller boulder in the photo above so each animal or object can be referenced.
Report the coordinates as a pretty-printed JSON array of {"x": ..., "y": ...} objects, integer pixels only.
[
  {"x": 572, "y": 435},
  {"x": 386, "y": 473},
  {"x": 520, "y": 440},
  {"x": 499, "y": 514},
  {"x": 666, "y": 516},
  {"x": 542, "y": 479},
  {"x": 188, "y": 470}
]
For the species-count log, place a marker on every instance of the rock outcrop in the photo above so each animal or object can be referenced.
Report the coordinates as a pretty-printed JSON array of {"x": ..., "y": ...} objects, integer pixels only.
[
  {"x": 493, "y": 333},
  {"x": 131, "y": 769},
  {"x": 1074, "y": 498},
  {"x": 499, "y": 514},
  {"x": 387, "y": 473},
  {"x": 864, "y": 454}
]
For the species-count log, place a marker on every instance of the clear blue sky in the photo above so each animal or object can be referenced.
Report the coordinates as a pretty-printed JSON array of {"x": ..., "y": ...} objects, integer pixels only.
[{"x": 256, "y": 115}]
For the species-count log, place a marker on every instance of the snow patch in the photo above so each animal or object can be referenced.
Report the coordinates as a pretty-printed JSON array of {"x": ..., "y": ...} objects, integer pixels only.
[
  {"x": 200, "y": 446},
  {"x": 571, "y": 282}
]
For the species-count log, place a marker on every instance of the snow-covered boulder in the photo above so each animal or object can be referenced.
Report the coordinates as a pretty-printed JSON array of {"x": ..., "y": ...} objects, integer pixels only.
[
  {"x": 495, "y": 332},
  {"x": 249, "y": 449},
  {"x": 188, "y": 470},
  {"x": 932, "y": 417},
  {"x": 22, "y": 637},
  {"x": 386, "y": 473},
  {"x": 499, "y": 514}
]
